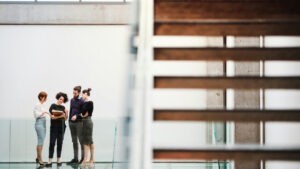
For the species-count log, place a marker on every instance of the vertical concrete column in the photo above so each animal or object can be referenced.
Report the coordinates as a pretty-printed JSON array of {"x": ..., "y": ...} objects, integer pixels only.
[
  {"x": 215, "y": 98},
  {"x": 247, "y": 133}
]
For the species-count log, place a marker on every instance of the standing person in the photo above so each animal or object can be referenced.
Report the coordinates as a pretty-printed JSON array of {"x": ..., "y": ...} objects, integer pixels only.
[
  {"x": 75, "y": 123},
  {"x": 57, "y": 130},
  {"x": 87, "y": 111},
  {"x": 40, "y": 113}
]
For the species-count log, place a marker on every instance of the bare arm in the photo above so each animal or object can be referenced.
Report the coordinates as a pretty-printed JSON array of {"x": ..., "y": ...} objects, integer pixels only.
[
  {"x": 47, "y": 113},
  {"x": 67, "y": 114},
  {"x": 86, "y": 114},
  {"x": 57, "y": 117},
  {"x": 38, "y": 112}
]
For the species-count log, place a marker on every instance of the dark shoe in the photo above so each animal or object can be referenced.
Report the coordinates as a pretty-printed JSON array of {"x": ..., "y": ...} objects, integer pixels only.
[
  {"x": 36, "y": 160},
  {"x": 73, "y": 161},
  {"x": 49, "y": 165},
  {"x": 59, "y": 164},
  {"x": 41, "y": 164}
]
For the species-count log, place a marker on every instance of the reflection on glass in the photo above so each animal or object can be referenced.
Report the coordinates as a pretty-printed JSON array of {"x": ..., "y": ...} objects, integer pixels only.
[
  {"x": 16, "y": 0},
  {"x": 103, "y": 0},
  {"x": 20, "y": 141}
]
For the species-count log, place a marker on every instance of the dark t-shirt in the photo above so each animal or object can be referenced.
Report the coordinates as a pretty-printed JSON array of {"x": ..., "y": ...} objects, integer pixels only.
[
  {"x": 59, "y": 121},
  {"x": 87, "y": 107}
]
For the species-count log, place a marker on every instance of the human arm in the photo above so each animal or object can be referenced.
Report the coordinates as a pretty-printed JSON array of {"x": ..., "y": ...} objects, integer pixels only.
[
  {"x": 50, "y": 109},
  {"x": 73, "y": 117},
  {"x": 47, "y": 113},
  {"x": 85, "y": 114},
  {"x": 88, "y": 109},
  {"x": 59, "y": 113},
  {"x": 69, "y": 113},
  {"x": 76, "y": 109},
  {"x": 38, "y": 112},
  {"x": 66, "y": 114},
  {"x": 57, "y": 117}
]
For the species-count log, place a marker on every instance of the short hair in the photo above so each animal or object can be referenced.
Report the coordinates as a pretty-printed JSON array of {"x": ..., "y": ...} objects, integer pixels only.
[
  {"x": 77, "y": 88},
  {"x": 42, "y": 95},
  {"x": 64, "y": 95},
  {"x": 87, "y": 91}
]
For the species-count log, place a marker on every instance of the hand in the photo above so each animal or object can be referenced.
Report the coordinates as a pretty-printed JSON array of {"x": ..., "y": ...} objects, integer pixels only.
[
  {"x": 52, "y": 117},
  {"x": 46, "y": 113},
  {"x": 66, "y": 114},
  {"x": 74, "y": 118}
]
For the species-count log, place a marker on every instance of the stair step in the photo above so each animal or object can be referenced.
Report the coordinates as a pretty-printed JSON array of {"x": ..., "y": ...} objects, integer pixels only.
[
  {"x": 227, "y": 115},
  {"x": 227, "y": 11},
  {"x": 228, "y": 82},
  {"x": 223, "y": 54},
  {"x": 248, "y": 18},
  {"x": 223, "y": 29},
  {"x": 224, "y": 152}
]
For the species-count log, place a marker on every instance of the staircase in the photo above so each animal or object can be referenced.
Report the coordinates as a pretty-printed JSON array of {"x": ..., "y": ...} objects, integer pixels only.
[{"x": 203, "y": 19}]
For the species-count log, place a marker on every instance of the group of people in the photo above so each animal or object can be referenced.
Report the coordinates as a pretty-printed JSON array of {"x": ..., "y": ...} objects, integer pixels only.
[{"x": 80, "y": 124}]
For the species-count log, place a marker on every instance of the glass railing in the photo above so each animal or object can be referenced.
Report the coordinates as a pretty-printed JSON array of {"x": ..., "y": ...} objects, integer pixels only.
[
  {"x": 18, "y": 147},
  {"x": 192, "y": 165},
  {"x": 18, "y": 141},
  {"x": 210, "y": 165}
]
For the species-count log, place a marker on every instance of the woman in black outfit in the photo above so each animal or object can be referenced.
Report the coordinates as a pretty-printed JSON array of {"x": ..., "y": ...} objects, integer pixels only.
[
  {"x": 58, "y": 126},
  {"x": 87, "y": 111}
]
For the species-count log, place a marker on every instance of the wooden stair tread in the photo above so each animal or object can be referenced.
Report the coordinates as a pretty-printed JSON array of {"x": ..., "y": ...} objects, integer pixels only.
[
  {"x": 228, "y": 82},
  {"x": 225, "y": 152},
  {"x": 248, "y": 54},
  {"x": 227, "y": 115}
]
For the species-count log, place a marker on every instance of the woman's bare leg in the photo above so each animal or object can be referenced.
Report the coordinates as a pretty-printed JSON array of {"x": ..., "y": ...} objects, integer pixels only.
[
  {"x": 85, "y": 159},
  {"x": 39, "y": 153},
  {"x": 92, "y": 148},
  {"x": 50, "y": 161}
]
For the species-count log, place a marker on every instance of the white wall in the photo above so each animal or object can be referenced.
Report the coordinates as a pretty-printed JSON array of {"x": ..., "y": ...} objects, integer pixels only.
[
  {"x": 35, "y": 58},
  {"x": 56, "y": 58}
]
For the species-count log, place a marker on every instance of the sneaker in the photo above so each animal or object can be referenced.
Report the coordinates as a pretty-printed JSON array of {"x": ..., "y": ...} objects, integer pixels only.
[{"x": 73, "y": 161}]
